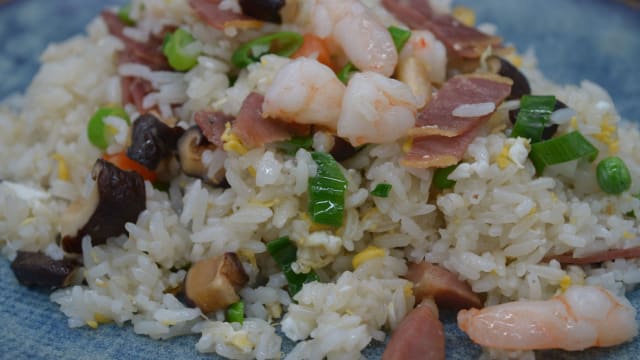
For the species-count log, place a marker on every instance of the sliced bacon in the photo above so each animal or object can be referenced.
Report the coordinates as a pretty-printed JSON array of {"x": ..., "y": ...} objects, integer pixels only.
[
  {"x": 442, "y": 285},
  {"x": 596, "y": 258},
  {"x": 212, "y": 124},
  {"x": 438, "y": 151},
  {"x": 209, "y": 12},
  {"x": 464, "y": 41},
  {"x": 254, "y": 130},
  {"x": 438, "y": 118}
]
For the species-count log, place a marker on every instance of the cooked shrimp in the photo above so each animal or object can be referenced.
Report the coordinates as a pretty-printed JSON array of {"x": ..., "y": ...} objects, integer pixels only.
[
  {"x": 582, "y": 317},
  {"x": 430, "y": 51},
  {"x": 305, "y": 92},
  {"x": 376, "y": 109},
  {"x": 365, "y": 41}
]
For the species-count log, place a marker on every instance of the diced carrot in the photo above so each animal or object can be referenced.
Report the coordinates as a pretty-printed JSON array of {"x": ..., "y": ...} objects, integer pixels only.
[
  {"x": 122, "y": 161},
  {"x": 315, "y": 47}
]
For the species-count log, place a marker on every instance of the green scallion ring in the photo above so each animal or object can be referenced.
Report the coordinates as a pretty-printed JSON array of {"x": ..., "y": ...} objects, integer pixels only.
[
  {"x": 97, "y": 129},
  {"x": 175, "y": 49}
]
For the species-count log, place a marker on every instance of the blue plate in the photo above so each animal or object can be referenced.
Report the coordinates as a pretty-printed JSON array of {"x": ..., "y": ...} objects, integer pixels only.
[{"x": 574, "y": 40}]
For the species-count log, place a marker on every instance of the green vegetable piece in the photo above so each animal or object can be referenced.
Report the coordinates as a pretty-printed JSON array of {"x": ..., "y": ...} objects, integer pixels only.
[
  {"x": 399, "y": 36},
  {"x": 533, "y": 117},
  {"x": 283, "y": 43},
  {"x": 441, "y": 177},
  {"x": 326, "y": 191},
  {"x": 176, "y": 48},
  {"x": 613, "y": 175},
  {"x": 345, "y": 73},
  {"x": 381, "y": 190},
  {"x": 97, "y": 130},
  {"x": 235, "y": 312},
  {"x": 124, "y": 15},
  {"x": 291, "y": 146},
  {"x": 565, "y": 148},
  {"x": 283, "y": 251}
]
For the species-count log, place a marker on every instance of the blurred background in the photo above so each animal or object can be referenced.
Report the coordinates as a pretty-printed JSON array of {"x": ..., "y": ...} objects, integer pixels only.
[{"x": 597, "y": 40}]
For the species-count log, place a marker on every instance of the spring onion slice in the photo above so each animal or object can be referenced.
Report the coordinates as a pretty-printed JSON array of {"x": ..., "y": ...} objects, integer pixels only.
[
  {"x": 235, "y": 312},
  {"x": 345, "y": 73},
  {"x": 441, "y": 177},
  {"x": 399, "y": 36},
  {"x": 326, "y": 191},
  {"x": 96, "y": 128},
  {"x": 565, "y": 148},
  {"x": 283, "y": 43},
  {"x": 283, "y": 251},
  {"x": 124, "y": 15},
  {"x": 381, "y": 190},
  {"x": 176, "y": 48},
  {"x": 613, "y": 175},
  {"x": 533, "y": 117},
  {"x": 291, "y": 146}
]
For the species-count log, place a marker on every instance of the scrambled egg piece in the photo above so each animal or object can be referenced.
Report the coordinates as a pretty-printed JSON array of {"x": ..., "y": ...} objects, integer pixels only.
[
  {"x": 231, "y": 142},
  {"x": 371, "y": 252},
  {"x": 63, "y": 169}
]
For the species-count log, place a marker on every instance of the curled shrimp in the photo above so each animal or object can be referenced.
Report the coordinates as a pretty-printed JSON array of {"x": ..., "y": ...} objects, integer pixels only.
[
  {"x": 365, "y": 41},
  {"x": 582, "y": 317},
  {"x": 305, "y": 92},
  {"x": 430, "y": 51},
  {"x": 376, "y": 109}
]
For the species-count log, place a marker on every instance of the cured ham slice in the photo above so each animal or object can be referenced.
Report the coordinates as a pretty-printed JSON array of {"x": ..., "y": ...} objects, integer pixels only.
[
  {"x": 443, "y": 116},
  {"x": 134, "y": 89},
  {"x": 596, "y": 258},
  {"x": 212, "y": 124},
  {"x": 438, "y": 151},
  {"x": 209, "y": 12},
  {"x": 464, "y": 41}
]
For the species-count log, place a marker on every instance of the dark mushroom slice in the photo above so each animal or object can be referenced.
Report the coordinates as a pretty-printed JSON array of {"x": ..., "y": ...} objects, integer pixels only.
[
  {"x": 548, "y": 131},
  {"x": 213, "y": 284},
  {"x": 37, "y": 269},
  {"x": 191, "y": 145},
  {"x": 118, "y": 197},
  {"x": 433, "y": 281},
  {"x": 152, "y": 141},
  {"x": 265, "y": 10},
  {"x": 502, "y": 67},
  {"x": 342, "y": 149}
]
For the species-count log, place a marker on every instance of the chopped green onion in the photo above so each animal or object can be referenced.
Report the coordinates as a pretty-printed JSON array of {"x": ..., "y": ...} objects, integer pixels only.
[
  {"x": 179, "y": 53},
  {"x": 97, "y": 129},
  {"x": 381, "y": 190},
  {"x": 124, "y": 15},
  {"x": 613, "y": 175},
  {"x": 326, "y": 191},
  {"x": 533, "y": 117},
  {"x": 345, "y": 73},
  {"x": 562, "y": 149},
  {"x": 399, "y": 36},
  {"x": 283, "y": 43},
  {"x": 441, "y": 177},
  {"x": 235, "y": 312},
  {"x": 291, "y": 146},
  {"x": 283, "y": 251}
]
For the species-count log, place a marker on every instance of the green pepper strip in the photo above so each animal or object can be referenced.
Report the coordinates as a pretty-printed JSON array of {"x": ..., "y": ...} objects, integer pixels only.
[
  {"x": 399, "y": 36},
  {"x": 562, "y": 149},
  {"x": 381, "y": 190},
  {"x": 283, "y": 251},
  {"x": 291, "y": 146},
  {"x": 441, "y": 177},
  {"x": 533, "y": 117},
  {"x": 235, "y": 312},
  {"x": 327, "y": 191},
  {"x": 283, "y": 43}
]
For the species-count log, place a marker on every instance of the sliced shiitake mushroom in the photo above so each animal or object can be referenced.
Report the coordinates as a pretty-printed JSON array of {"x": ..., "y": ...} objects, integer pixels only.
[
  {"x": 265, "y": 10},
  {"x": 437, "y": 282},
  {"x": 37, "y": 269},
  {"x": 191, "y": 145},
  {"x": 117, "y": 197},
  {"x": 500, "y": 66},
  {"x": 213, "y": 284},
  {"x": 152, "y": 141}
]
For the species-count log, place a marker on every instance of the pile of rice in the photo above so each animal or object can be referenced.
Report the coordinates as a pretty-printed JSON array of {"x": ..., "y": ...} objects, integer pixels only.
[{"x": 493, "y": 228}]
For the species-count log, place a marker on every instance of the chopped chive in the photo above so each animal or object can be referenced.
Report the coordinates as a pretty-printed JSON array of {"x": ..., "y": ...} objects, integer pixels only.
[
  {"x": 562, "y": 149},
  {"x": 283, "y": 43},
  {"x": 327, "y": 191},
  {"x": 345, "y": 73},
  {"x": 381, "y": 190},
  {"x": 176, "y": 49},
  {"x": 283, "y": 251},
  {"x": 533, "y": 117},
  {"x": 399, "y": 36},
  {"x": 291, "y": 146},
  {"x": 235, "y": 312},
  {"x": 613, "y": 175},
  {"x": 97, "y": 129},
  {"x": 441, "y": 177}
]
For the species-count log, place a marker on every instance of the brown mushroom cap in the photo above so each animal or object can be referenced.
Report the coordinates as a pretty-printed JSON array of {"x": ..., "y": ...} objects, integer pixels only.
[
  {"x": 212, "y": 284},
  {"x": 152, "y": 141},
  {"x": 502, "y": 67},
  {"x": 120, "y": 199},
  {"x": 37, "y": 269},
  {"x": 191, "y": 145},
  {"x": 265, "y": 10}
]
